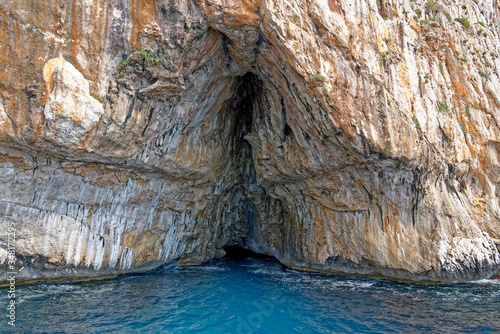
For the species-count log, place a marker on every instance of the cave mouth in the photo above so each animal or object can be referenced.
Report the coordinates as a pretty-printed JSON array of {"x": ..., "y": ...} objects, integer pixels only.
[
  {"x": 246, "y": 201},
  {"x": 243, "y": 193},
  {"x": 240, "y": 253}
]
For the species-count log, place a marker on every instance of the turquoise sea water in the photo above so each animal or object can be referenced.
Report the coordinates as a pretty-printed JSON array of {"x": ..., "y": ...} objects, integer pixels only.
[{"x": 253, "y": 295}]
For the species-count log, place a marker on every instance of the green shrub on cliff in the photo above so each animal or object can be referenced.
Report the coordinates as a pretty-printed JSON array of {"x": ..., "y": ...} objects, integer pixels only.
[
  {"x": 442, "y": 106},
  {"x": 96, "y": 97},
  {"x": 144, "y": 54},
  {"x": 464, "y": 21},
  {"x": 319, "y": 76},
  {"x": 121, "y": 67},
  {"x": 149, "y": 57}
]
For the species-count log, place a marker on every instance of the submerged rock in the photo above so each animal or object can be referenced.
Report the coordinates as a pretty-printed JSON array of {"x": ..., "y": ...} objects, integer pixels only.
[{"x": 339, "y": 137}]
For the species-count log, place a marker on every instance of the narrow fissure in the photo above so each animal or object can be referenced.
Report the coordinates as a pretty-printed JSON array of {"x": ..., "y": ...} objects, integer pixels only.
[{"x": 243, "y": 107}]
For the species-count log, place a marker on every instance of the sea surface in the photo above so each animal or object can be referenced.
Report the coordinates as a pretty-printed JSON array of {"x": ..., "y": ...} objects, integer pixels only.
[{"x": 252, "y": 295}]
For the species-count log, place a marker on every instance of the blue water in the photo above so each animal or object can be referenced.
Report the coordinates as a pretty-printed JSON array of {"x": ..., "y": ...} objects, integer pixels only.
[{"x": 253, "y": 296}]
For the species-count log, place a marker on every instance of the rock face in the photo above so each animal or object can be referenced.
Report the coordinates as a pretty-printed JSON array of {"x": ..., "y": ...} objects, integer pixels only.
[
  {"x": 70, "y": 112},
  {"x": 357, "y": 137}
]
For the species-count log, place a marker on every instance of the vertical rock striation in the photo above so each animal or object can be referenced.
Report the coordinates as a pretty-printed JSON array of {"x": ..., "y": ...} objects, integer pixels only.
[{"x": 357, "y": 137}]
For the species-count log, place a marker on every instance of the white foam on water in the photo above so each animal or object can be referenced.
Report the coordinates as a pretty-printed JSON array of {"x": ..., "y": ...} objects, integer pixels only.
[
  {"x": 208, "y": 268},
  {"x": 270, "y": 272},
  {"x": 493, "y": 282}
]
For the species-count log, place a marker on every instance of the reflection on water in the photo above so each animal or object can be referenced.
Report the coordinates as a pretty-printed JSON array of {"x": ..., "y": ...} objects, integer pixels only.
[{"x": 253, "y": 296}]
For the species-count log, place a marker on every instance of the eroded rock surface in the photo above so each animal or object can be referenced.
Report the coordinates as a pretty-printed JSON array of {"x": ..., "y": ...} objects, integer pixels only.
[{"x": 357, "y": 137}]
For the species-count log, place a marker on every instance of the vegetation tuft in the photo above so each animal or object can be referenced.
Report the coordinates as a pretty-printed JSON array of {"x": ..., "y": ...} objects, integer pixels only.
[
  {"x": 97, "y": 97},
  {"x": 442, "y": 106},
  {"x": 144, "y": 54},
  {"x": 319, "y": 76},
  {"x": 149, "y": 57},
  {"x": 464, "y": 21}
]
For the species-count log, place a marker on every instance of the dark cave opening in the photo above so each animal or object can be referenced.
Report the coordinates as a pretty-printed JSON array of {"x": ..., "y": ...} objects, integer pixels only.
[
  {"x": 247, "y": 91},
  {"x": 243, "y": 107},
  {"x": 239, "y": 253}
]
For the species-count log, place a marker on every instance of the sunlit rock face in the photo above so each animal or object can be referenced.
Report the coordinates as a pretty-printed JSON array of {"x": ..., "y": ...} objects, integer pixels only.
[{"x": 337, "y": 136}]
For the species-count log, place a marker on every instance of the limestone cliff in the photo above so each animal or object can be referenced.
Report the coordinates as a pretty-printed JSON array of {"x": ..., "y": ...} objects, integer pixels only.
[{"x": 358, "y": 137}]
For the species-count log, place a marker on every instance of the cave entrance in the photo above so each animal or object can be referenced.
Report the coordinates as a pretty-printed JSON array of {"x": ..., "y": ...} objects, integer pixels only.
[
  {"x": 239, "y": 253},
  {"x": 240, "y": 212},
  {"x": 247, "y": 205},
  {"x": 248, "y": 89}
]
